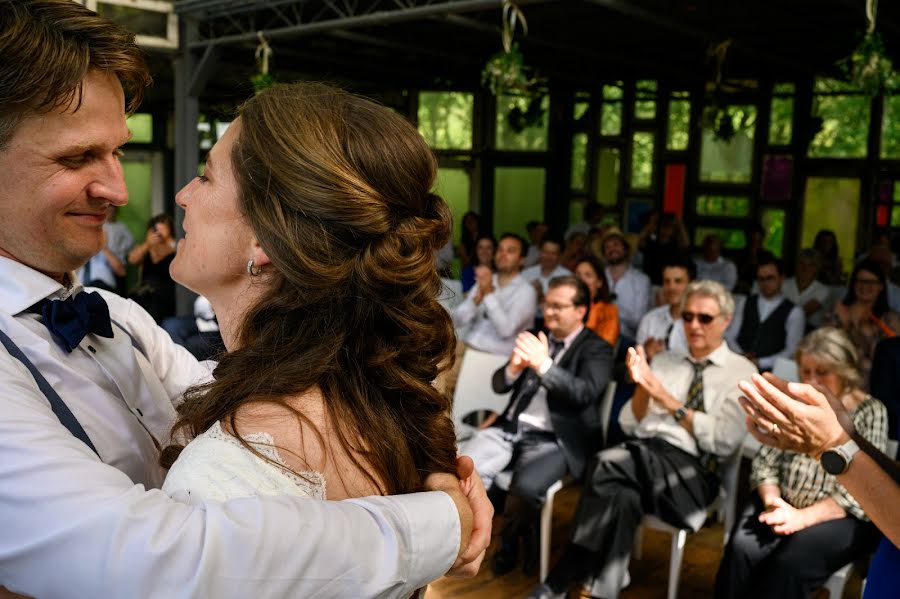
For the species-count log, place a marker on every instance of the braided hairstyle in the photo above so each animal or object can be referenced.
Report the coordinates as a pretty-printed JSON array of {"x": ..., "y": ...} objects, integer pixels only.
[{"x": 336, "y": 189}]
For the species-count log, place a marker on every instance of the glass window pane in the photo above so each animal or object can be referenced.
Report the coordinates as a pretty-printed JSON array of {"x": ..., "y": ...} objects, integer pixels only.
[
  {"x": 642, "y": 160},
  {"x": 611, "y": 118},
  {"x": 723, "y": 205},
  {"x": 513, "y": 112},
  {"x": 141, "y": 126},
  {"x": 454, "y": 185},
  {"x": 579, "y": 161},
  {"x": 732, "y": 239},
  {"x": 136, "y": 20},
  {"x": 679, "y": 125},
  {"x": 773, "y": 224},
  {"x": 445, "y": 119},
  {"x": 890, "y": 128},
  {"x": 781, "y": 121},
  {"x": 613, "y": 92},
  {"x": 844, "y": 130},
  {"x": 895, "y": 216},
  {"x": 784, "y": 88},
  {"x": 608, "y": 176},
  {"x": 645, "y": 100},
  {"x": 580, "y": 109},
  {"x": 730, "y": 161},
  {"x": 897, "y": 191},
  {"x": 777, "y": 178},
  {"x": 518, "y": 198},
  {"x": 832, "y": 203}
]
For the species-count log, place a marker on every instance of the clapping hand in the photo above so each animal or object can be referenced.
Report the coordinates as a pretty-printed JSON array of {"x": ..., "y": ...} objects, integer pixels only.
[
  {"x": 639, "y": 369},
  {"x": 530, "y": 351}
]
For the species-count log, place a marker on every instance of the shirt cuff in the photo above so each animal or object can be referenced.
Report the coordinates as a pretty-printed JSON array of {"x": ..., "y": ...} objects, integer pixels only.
[{"x": 545, "y": 367}]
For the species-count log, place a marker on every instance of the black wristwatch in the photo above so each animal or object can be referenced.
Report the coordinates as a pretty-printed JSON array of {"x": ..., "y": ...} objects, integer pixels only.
[
  {"x": 836, "y": 461},
  {"x": 679, "y": 414}
]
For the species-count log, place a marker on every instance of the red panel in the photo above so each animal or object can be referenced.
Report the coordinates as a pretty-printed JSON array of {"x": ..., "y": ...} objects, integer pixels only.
[
  {"x": 882, "y": 215},
  {"x": 673, "y": 196}
]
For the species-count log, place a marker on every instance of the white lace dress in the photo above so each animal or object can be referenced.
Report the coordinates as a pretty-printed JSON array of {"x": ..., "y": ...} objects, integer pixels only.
[{"x": 215, "y": 466}]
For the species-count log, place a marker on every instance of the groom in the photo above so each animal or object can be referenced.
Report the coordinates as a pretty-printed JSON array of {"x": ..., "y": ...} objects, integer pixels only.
[{"x": 83, "y": 408}]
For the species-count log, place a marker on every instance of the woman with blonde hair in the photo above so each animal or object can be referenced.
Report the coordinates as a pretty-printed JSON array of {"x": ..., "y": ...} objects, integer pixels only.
[
  {"x": 312, "y": 233},
  {"x": 801, "y": 525}
]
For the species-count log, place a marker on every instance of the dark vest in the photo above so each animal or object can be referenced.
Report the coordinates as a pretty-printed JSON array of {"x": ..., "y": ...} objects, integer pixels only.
[{"x": 763, "y": 338}]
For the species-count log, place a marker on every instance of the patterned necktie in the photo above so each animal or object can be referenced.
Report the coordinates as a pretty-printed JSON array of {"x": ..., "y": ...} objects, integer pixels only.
[
  {"x": 71, "y": 319},
  {"x": 695, "y": 392}
]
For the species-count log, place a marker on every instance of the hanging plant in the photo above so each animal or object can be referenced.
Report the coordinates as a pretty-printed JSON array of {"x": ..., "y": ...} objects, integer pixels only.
[
  {"x": 719, "y": 116},
  {"x": 262, "y": 78},
  {"x": 532, "y": 116},
  {"x": 505, "y": 71},
  {"x": 868, "y": 67}
]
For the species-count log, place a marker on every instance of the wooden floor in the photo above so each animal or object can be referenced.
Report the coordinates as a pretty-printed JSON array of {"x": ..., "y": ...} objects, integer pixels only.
[{"x": 649, "y": 575}]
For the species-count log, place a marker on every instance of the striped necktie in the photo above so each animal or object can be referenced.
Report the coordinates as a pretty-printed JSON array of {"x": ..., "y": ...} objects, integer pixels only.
[{"x": 695, "y": 392}]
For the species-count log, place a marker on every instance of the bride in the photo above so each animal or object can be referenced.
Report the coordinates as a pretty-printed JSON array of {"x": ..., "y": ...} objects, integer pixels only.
[{"x": 312, "y": 232}]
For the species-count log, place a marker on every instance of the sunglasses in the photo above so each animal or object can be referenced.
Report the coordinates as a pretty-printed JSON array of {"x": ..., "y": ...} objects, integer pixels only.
[{"x": 703, "y": 318}]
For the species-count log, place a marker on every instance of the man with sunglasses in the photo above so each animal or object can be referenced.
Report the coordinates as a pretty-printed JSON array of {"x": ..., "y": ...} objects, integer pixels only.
[
  {"x": 684, "y": 418},
  {"x": 768, "y": 326}
]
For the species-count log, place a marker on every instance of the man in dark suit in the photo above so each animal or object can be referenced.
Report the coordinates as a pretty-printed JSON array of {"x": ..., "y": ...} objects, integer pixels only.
[{"x": 552, "y": 421}]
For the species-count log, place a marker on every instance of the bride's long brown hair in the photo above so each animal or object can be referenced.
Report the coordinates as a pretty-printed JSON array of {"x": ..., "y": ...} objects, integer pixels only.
[{"x": 337, "y": 190}]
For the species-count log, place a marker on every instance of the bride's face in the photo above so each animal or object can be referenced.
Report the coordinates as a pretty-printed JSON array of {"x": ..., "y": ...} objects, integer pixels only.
[{"x": 212, "y": 257}]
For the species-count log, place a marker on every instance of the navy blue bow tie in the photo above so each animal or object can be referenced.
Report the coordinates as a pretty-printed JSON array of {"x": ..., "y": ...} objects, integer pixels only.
[{"x": 71, "y": 319}]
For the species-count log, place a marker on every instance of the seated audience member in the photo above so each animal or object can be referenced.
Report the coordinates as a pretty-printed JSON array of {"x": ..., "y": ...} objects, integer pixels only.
[
  {"x": 501, "y": 305},
  {"x": 484, "y": 256},
  {"x": 832, "y": 270},
  {"x": 713, "y": 266},
  {"x": 550, "y": 426},
  {"x": 536, "y": 232},
  {"x": 805, "y": 290},
  {"x": 800, "y": 524},
  {"x": 629, "y": 287},
  {"x": 684, "y": 416},
  {"x": 548, "y": 267},
  {"x": 661, "y": 238},
  {"x": 768, "y": 325},
  {"x": 662, "y": 328},
  {"x": 198, "y": 333},
  {"x": 749, "y": 258},
  {"x": 156, "y": 290},
  {"x": 106, "y": 268},
  {"x": 864, "y": 313},
  {"x": 603, "y": 316},
  {"x": 575, "y": 249},
  {"x": 471, "y": 230}
]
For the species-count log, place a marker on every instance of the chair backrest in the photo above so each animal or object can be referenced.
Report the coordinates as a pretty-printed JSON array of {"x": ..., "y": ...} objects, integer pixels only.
[
  {"x": 451, "y": 294},
  {"x": 474, "y": 390},
  {"x": 729, "y": 471},
  {"x": 606, "y": 406},
  {"x": 786, "y": 369}
]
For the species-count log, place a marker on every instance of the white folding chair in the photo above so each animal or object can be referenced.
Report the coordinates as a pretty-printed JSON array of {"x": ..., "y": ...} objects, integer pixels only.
[
  {"x": 725, "y": 503},
  {"x": 474, "y": 390}
]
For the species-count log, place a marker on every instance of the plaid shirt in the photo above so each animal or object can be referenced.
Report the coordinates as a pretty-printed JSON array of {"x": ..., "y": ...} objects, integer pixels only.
[{"x": 802, "y": 479}]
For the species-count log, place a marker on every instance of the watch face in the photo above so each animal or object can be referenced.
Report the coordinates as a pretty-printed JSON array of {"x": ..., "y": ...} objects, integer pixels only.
[{"x": 833, "y": 462}]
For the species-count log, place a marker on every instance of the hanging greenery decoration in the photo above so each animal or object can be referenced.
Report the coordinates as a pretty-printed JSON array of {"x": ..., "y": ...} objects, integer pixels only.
[
  {"x": 868, "y": 67},
  {"x": 262, "y": 78},
  {"x": 718, "y": 115}
]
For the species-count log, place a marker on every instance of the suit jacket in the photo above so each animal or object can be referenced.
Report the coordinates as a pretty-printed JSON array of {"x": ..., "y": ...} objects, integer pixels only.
[{"x": 574, "y": 388}]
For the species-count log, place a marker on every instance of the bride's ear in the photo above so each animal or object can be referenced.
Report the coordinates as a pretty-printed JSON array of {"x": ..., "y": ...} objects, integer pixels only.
[{"x": 260, "y": 258}]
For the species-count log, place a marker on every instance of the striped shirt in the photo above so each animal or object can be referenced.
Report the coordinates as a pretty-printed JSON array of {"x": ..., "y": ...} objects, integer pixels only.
[{"x": 802, "y": 479}]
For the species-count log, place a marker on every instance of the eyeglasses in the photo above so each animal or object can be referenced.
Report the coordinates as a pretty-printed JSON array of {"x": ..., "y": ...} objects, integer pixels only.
[
  {"x": 703, "y": 318},
  {"x": 557, "y": 307}
]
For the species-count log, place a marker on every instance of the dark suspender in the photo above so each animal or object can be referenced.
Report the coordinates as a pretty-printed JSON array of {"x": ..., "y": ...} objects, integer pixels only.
[{"x": 59, "y": 407}]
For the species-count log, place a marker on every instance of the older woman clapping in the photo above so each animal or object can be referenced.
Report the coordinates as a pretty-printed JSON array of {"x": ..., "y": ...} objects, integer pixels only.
[{"x": 801, "y": 524}]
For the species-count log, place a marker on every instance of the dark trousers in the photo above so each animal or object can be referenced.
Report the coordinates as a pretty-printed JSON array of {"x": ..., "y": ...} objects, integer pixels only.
[
  {"x": 644, "y": 476},
  {"x": 537, "y": 463},
  {"x": 759, "y": 563}
]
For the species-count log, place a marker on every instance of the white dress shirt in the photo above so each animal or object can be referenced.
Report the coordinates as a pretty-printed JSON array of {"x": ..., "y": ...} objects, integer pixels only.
[
  {"x": 814, "y": 291},
  {"x": 118, "y": 240},
  {"x": 76, "y": 526},
  {"x": 495, "y": 323},
  {"x": 632, "y": 292},
  {"x": 534, "y": 273},
  {"x": 720, "y": 428},
  {"x": 537, "y": 414},
  {"x": 722, "y": 270},
  {"x": 793, "y": 327},
  {"x": 659, "y": 324}
]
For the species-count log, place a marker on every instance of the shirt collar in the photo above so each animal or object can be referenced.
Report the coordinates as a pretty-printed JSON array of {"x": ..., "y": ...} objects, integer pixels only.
[
  {"x": 717, "y": 357},
  {"x": 570, "y": 337},
  {"x": 21, "y": 286}
]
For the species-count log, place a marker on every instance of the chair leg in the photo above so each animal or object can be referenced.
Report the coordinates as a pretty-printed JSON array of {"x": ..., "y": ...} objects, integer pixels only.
[
  {"x": 638, "y": 543},
  {"x": 678, "y": 541},
  {"x": 546, "y": 525}
]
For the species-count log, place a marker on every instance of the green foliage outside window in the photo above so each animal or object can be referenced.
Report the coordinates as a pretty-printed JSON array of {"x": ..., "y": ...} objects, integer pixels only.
[
  {"x": 611, "y": 110},
  {"x": 679, "y": 130},
  {"x": 613, "y": 92},
  {"x": 773, "y": 224},
  {"x": 518, "y": 198},
  {"x": 732, "y": 239},
  {"x": 890, "y": 128},
  {"x": 532, "y": 138},
  {"x": 730, "y": 161},
  {"x": 445, "y": 119},
  {"x": 579, "y": 161},
  {"x": 845, "y": 115},
  {"x": 141, "y": 126},
  {"x": 607, "y": 176},
  {"x": 645, "y": 100},
  {"x": 642, "y": 160},
  {"x": 723, "y": 205},
  {"x": 781, "y": 121},
  {"x": 895, "y": 216},
  {"x": 454, "y": 185}
]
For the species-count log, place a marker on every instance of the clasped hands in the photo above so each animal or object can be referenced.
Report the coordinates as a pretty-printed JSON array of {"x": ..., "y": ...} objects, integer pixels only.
[
  {"x": 646, "y": 379},
  {"x": 530, "y": 352},
  {"x": 783, "y": 518}
]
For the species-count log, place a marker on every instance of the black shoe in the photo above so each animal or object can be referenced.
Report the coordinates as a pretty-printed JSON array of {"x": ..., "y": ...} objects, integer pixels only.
[{"x": 504, "y": 561}]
